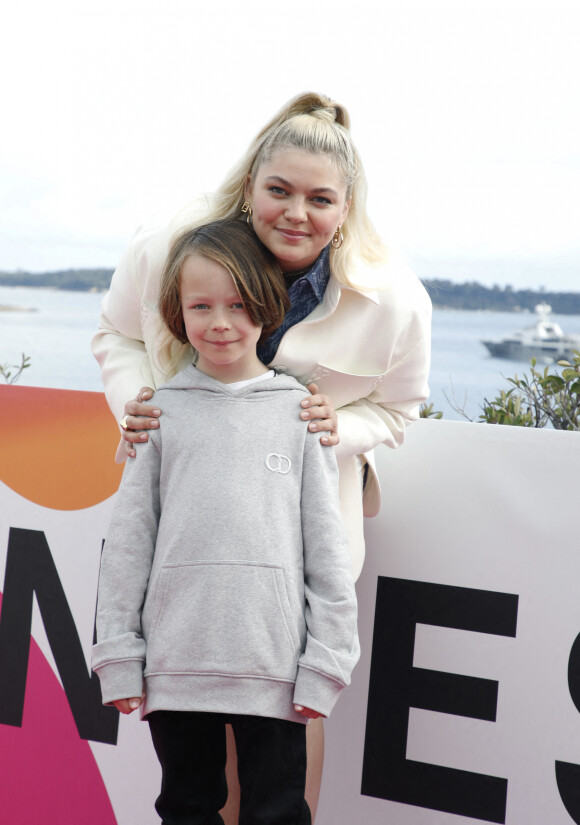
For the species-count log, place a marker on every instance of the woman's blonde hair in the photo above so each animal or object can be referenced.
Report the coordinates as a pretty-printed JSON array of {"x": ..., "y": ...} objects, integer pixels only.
[
  {"x": 257, "y": 276},
  {"x": 313, "y": 123}
]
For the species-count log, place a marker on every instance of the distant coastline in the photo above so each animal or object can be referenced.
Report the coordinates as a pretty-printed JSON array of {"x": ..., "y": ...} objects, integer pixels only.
[
  {"x": 75, "y": 280},
  {"x": 473, "y": 296},
  {"x": 444, "y": 294}
]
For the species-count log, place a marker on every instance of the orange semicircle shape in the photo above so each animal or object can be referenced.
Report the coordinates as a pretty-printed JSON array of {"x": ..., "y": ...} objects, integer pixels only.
[{"x": 57, "y": 447}]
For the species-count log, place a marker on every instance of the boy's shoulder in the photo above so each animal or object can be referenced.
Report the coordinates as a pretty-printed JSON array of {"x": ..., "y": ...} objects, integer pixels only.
[{"x": 289, "y": 382}]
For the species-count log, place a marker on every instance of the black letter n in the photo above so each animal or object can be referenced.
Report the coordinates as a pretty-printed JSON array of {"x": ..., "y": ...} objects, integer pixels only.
[{"x": 30, "y": 569}]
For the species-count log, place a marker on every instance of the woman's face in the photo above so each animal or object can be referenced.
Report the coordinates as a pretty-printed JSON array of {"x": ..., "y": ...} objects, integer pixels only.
[{"x": 298, "y": 200}]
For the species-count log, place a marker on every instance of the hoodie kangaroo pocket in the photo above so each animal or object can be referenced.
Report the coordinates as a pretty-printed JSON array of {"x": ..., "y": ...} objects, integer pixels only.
[{"x": 224, "y": 617}]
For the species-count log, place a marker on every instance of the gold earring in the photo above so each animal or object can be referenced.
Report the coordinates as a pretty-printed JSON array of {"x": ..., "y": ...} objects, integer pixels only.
[
  {"x": 337, "y": 239},
  {"x": 247, "y": 211}
]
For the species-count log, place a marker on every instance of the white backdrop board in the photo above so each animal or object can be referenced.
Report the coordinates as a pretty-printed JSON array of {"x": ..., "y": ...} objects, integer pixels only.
[
  {"x": 469, "y": 610},
  {"x": 464, "y": 706}
]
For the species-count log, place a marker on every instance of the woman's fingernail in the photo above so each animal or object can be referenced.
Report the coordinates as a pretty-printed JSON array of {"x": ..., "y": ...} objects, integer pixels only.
[
  {"x": 143, "y": 437},
  {"x": 154, "y": 423},
  {"x": 304, "y": 416},
  {"x": 156, "y": 412},
  {"x": 312, "y": 427},
  {"x": 324, "y": 438},
  {"x": 305, "y": 403}
]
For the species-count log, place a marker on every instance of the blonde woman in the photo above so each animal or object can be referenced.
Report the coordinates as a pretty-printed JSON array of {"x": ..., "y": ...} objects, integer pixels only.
[{"x": 358, "y": 329}]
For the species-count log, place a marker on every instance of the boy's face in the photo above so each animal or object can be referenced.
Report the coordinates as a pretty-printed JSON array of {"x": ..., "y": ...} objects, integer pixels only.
[{"x": 216, "y": 322}]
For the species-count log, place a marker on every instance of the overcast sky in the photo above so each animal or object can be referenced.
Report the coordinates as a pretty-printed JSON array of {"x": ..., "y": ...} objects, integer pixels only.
[{"x": 466, "y": 114}]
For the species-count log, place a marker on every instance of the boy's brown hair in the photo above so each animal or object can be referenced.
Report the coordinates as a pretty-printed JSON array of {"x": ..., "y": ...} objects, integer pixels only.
[{"x": 256, "y": 274}]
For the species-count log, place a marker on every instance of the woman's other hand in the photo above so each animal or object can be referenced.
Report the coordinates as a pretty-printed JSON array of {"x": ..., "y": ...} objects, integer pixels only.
[
  {"x": 138, "y": 418},
  {"x": 322, "y": 416}
]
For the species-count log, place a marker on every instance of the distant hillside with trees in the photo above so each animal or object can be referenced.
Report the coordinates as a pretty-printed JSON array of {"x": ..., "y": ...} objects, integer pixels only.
[
  {"x": 444, "y": 293},
  {"x": 76, "y": 280}
]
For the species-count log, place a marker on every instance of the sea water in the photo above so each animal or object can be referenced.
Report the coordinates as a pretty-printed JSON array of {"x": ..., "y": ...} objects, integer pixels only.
[{"x": 54, "y": 328}]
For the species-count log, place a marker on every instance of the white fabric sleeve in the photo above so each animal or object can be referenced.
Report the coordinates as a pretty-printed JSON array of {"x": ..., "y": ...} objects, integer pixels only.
[
  {"x": 382, "y": 417},
  {"x": 118, "y": 343}
]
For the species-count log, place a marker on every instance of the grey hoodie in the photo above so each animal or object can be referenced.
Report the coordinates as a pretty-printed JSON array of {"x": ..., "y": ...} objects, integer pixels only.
[{"x": 226, "y": 580}]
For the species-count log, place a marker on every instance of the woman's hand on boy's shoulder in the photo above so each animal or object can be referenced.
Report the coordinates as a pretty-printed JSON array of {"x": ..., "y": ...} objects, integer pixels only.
[
  {"x": 139, "y": 417},
  {"x": 318, "y": 409},
  {"x": 308, "y": 712},
  {"x": 127, "y": 706}
]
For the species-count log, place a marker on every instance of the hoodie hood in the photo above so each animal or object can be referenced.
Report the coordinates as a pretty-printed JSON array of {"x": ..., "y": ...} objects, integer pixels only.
[{"x": 191, "y": 378}]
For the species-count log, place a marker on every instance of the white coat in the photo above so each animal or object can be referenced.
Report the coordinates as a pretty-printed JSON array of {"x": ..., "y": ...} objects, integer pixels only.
[{"x": 367, "y": 349}]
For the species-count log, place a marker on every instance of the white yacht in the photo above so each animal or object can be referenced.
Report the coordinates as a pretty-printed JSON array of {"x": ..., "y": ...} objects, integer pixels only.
[{"x": 544, "y": 340}]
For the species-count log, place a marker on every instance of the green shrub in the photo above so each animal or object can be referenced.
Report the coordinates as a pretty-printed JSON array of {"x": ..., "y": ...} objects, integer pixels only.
[{"x": 540, "y": 399}]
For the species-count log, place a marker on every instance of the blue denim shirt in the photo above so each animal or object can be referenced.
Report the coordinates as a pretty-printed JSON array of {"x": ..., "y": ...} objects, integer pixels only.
[{"x": 305, "y": 294}]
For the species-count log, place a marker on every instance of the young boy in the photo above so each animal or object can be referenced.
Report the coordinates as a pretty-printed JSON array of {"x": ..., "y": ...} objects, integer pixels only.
[{"x": 226, "y": 591}]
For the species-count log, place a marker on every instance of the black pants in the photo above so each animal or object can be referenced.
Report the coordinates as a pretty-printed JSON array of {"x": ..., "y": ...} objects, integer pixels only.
[{"x": 191, "y": 748}]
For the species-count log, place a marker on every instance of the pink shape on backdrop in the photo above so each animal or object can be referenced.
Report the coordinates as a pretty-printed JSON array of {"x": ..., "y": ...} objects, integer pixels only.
[{"x": 49, "y": 774}]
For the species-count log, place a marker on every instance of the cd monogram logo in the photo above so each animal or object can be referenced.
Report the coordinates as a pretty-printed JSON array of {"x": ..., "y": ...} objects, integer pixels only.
[{"x": 278, "y": 463}]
